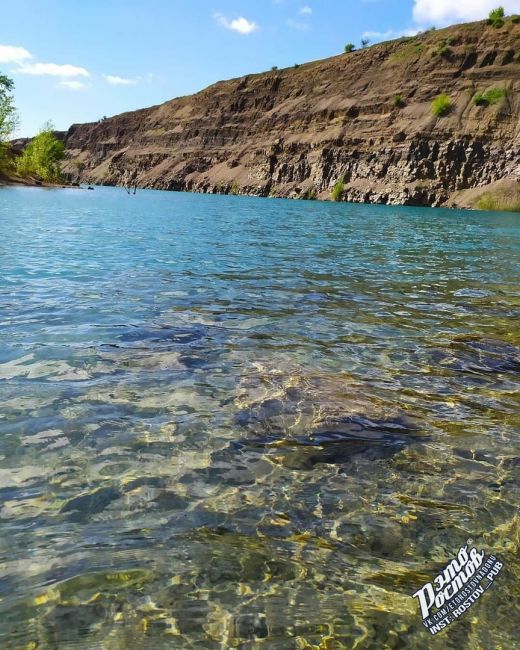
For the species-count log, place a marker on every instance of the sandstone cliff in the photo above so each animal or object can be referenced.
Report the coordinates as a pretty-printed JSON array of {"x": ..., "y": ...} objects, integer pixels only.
[{"x": 364, "y": 116}]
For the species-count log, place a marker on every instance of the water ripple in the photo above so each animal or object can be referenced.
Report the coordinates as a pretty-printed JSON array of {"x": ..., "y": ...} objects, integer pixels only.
[{"x": 232, "y": 422}]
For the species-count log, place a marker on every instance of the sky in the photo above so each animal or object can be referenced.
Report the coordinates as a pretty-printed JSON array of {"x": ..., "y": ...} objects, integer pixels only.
[{"x": 74, "y": 61}]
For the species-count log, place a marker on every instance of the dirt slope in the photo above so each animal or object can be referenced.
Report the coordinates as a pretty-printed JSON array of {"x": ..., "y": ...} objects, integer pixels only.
[{"x": 296, "y": 132}]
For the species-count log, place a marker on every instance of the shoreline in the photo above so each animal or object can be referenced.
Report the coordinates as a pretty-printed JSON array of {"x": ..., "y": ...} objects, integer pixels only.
[
  {"x": 17, "y": 181},
  {"x": 466, "y": 200},
  {"x": 460, "y": 200}
]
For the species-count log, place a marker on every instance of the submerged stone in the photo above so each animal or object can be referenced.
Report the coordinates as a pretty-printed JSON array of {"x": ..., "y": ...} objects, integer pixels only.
[
  {"x": 251, "y": 626},
  {"x": 478, "y": 356},
  {"x": 91, "y": 503},
  {"x": 316, "y": 419},
  {"x": 193, "y": 362},
  {"x": 336, "y": 442},
  {"x": 162, "y": 335},
  {"x": 268, "y": 408},
  {"x": 71, "y": 625}
]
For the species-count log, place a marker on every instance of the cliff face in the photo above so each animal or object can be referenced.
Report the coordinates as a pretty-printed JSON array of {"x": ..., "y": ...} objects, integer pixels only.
[{"x": 297, "y": 131}]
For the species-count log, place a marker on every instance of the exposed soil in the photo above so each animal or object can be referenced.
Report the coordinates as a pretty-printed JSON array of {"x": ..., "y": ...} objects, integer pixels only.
[{"x": 296, "y": 132}]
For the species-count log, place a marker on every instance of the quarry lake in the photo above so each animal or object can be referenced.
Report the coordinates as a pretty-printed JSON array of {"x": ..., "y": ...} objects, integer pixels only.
[{"x": 229, "y": 422}]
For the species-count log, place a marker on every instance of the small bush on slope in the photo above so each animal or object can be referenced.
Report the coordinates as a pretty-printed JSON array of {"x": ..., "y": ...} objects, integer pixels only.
[
  {"x": 442, "y": 105},
  {"x": 338, "y": 189},
  {"x": 496, "y": 17},
  {"x": 490, "y": 97}
]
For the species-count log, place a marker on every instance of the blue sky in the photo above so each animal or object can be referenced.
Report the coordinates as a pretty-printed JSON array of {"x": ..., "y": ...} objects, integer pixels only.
[{"x": 75, "y": 61}]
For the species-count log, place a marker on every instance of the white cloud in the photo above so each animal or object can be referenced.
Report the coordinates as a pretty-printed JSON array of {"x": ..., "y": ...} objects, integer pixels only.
[
  {"x": 299, "y": 26},
  {"x": 389, "y": 34},
  {"x": 114, "y": 80},
  {"x": 52, "y": 69},
  {"x": 305, "y": 11},
  {"x": 72, "y": 85},
  {"x": 13, "y": 54},
  {"x": 444, "y": 12},
  {"x": 240, "y": 24}
]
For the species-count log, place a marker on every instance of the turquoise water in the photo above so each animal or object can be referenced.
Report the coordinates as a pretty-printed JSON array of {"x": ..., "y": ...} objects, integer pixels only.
[{"x": 229, "y": 422}]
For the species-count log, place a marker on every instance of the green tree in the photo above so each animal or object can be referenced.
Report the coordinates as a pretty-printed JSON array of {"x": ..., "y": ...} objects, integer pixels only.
[
  {"x": 42, "y": 156},
  {"x": 349, "y": 47},
  {"x": 8, "y": 117}
]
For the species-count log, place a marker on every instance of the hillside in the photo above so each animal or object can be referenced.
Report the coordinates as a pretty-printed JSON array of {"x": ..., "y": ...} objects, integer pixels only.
[{"x": 296, "y": 132}]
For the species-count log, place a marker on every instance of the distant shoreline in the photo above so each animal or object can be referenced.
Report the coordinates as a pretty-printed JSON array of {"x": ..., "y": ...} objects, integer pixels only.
[
  {"x": 17, "y": 181},
  {"x": 454, "y": 204}
]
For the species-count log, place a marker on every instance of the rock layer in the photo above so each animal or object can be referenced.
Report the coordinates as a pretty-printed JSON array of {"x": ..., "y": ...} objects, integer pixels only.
[{"x": 364, "y": 117}]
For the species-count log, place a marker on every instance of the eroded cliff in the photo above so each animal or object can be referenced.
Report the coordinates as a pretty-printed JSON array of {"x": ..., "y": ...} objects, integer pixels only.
[{"x": 364, "y": 117}]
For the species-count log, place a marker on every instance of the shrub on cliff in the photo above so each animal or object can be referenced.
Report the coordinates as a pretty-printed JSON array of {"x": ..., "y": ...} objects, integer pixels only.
[
  {"x": 42, "y": 156},
  {"x": 495, "y": 95},
  {"x": 349, "y": 47},
  {"x": 338, "y": 189},
  {"x": 442, "y": 105},
  {"x": 442, "y": 50},
  {"x": 490, "y": 97},
  {"x": 398, "y": 102},
  {"x": 496, "y": 17},
  {"x": 480, "y": 100}
]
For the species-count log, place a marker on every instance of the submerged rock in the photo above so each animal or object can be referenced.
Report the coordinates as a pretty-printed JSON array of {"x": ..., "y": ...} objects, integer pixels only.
[
  {"x": 163, "y": 335},
  {"x": 82, "y": 507},
  {"x": 91, "y": 503},
  {"x": 250, "y": 626},
  {"x": 474, "y": 355},
  {"x": 336, "y": 442},
  {"x": 300, "y": 424},
  {"x": 193, "y": 362},
  {"x": 305, "y": 420}
]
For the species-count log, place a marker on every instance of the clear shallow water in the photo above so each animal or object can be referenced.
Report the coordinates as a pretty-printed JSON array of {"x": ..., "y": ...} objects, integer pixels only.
[{"x": 230, "y": 422}]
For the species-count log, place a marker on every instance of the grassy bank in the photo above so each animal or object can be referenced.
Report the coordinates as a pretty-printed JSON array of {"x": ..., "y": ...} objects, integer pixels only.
[{"x": 496, "y": 201}]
